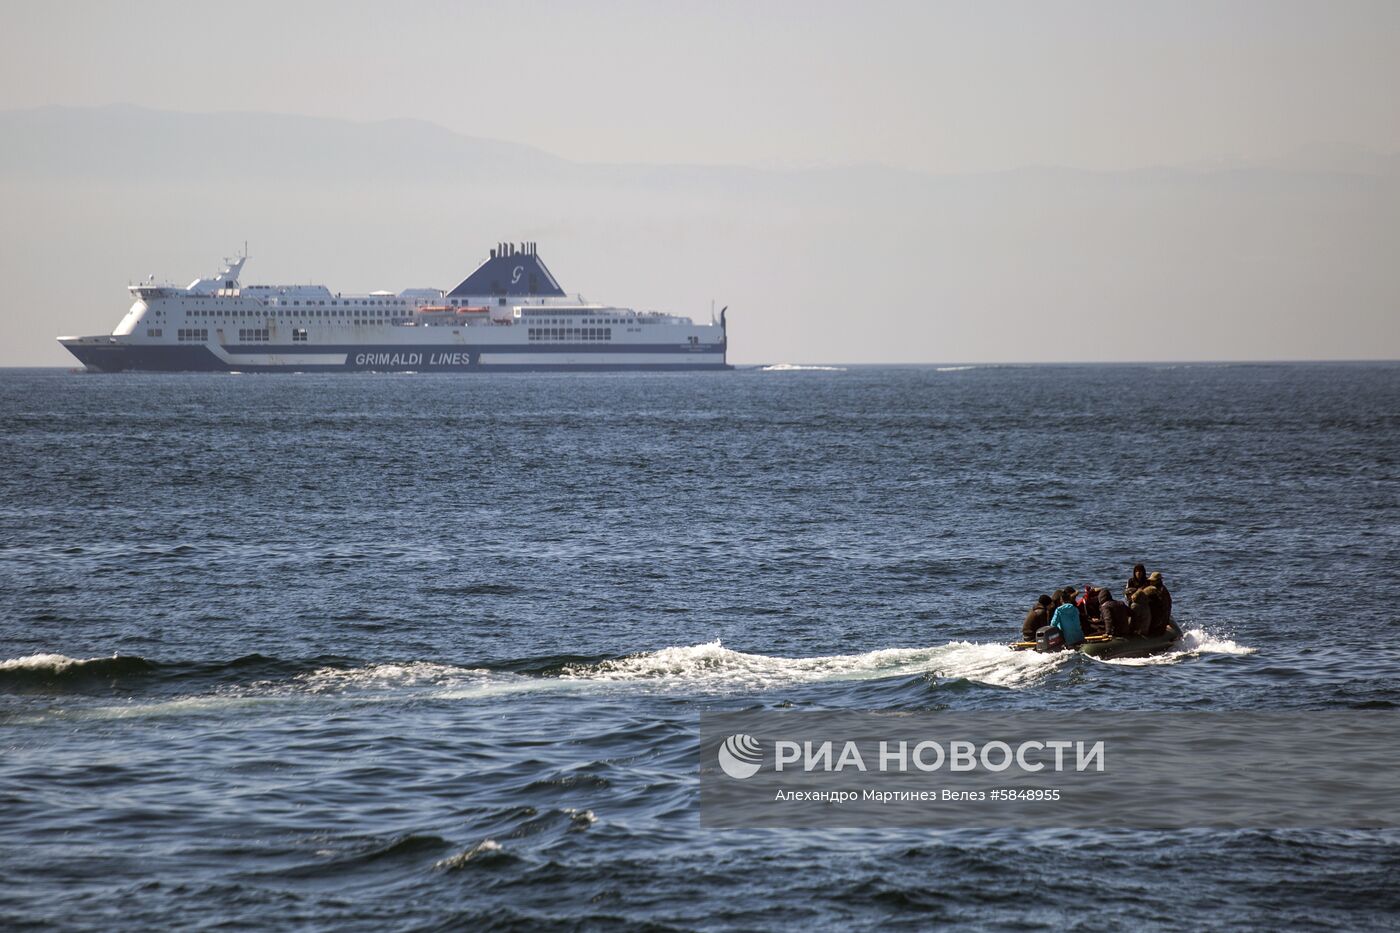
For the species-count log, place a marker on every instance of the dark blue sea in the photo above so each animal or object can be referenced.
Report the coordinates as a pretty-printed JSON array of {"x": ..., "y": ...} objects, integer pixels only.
[{"x": 392, "y": 652}]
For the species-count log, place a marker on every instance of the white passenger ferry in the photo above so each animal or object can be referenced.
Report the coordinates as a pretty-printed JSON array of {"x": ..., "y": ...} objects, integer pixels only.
[{"x": 509, "y": 314}]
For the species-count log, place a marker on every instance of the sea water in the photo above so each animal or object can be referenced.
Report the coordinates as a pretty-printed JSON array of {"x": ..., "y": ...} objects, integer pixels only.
[{"x": 389, "y": 651}]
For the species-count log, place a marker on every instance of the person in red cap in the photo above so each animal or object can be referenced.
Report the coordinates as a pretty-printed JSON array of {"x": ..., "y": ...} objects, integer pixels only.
[{"x": 1089, "y": 606}]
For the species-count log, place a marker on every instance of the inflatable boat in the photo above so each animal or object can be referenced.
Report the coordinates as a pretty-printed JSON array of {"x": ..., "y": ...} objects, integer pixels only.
[{"x": 1107, "y": 648}]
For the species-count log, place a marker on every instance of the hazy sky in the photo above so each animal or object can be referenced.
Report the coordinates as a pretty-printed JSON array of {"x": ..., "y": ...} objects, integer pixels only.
[
  {"x": 1269, "y": 232},
  {"x": 934, "y": 86}
]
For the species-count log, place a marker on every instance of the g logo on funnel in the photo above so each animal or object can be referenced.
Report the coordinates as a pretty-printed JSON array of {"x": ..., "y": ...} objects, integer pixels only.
[{"x": 740, "y": 756}]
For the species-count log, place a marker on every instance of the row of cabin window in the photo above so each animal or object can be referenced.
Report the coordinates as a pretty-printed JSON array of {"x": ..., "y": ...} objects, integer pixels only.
[
  {"x": 254, "y": 335},
  {"x": 570, "y": 333},
  {"x": 385, "y": 303},
  {"x": 351, "y": 304},
  {"x": 353, "y": 313},
  {"x": 587, "y": 320},
  {"x": 257, "y": 334}
]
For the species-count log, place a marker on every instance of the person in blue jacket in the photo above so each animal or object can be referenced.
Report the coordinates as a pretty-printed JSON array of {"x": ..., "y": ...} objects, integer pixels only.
[{"x": 1066, "y": 618}]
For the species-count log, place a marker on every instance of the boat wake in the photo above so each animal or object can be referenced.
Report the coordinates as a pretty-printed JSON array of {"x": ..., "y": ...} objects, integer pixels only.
[
  {"x": 711, "y": 665},
  {"x": 1193, "y": 643},
  {"x": 708, "y": 669},
  {"x": 703, "y": 668},
  {"x": 798, "y": 368}
]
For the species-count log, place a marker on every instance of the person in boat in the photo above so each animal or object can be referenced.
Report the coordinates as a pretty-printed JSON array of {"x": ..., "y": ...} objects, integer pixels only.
[
  {"x": 1037, "y": 618},
  {"x": 1161, "y": 604},
  {"x": 1113, "y": 615},
  {"x": 1088, "y": 607},
  {"x": 1066, "y": 617},
  {"x": 1136, "y": 582},
  {"x": 1063, "y": 595},
  {"x": 1140, "y": 606}
]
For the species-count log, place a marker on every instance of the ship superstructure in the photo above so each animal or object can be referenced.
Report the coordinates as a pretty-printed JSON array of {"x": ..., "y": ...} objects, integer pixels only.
[{"x": 508, "y": 314}]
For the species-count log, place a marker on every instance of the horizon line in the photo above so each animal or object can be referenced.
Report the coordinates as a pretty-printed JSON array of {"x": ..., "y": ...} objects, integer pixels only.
[{"x": 1301, "y": 361}]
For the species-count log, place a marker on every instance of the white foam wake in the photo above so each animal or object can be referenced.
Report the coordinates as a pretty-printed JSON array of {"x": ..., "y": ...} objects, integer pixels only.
[
  {"x": 705, "y": 667},
  {"x": 407, "y": 675},
  {"x": 420, "y": 678},
  {"x": 798, "y": 368},
  {"x": 952, "y": 369},
  {"x": 712, "y": 665},
  {"x": 1193, "y": 643}
]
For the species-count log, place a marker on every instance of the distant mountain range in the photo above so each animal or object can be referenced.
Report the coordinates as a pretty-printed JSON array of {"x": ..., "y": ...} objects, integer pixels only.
[{"x": 131, "y": 143}]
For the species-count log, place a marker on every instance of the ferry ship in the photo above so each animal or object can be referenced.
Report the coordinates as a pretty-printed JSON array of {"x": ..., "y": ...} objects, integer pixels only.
[{"x": 508, "y": 314}]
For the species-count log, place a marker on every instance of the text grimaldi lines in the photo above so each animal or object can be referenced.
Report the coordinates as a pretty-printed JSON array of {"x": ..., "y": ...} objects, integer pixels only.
[{"x": 444, "y": 358}]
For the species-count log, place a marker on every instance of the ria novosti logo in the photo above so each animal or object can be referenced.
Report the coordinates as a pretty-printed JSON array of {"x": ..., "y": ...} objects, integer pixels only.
[{"x": 740, "y": 756}]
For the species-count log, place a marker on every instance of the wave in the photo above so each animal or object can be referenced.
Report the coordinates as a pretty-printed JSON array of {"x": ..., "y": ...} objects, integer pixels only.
[
  {"x": 368, "y": 853},
  {"x": 488, "y": 850},
  {"x": 1194, "y": 642},
  {"x": 405, "y": 675},
  {"x": 47, "y": 670},
  {"x": 476, "y": 589},
  {"x": 798, "y": 368},
  {"x": 952, "y": 369},
  {"x": 60, "y": 673}
]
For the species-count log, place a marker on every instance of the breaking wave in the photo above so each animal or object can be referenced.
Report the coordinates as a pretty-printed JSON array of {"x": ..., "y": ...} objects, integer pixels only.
[
  {"x": 486, "y": 850},
  {"x": 54, "y": 670},
  {"x": 952, "y": 369},
  {"x": 798, "y": 368}
]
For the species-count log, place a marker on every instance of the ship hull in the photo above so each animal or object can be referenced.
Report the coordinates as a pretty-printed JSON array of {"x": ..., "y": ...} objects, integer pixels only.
[{"x": 103, "y": 354}]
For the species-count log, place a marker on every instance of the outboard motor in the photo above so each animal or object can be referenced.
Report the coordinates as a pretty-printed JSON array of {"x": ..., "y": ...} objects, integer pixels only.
[{"x": 1048, "y": 638}]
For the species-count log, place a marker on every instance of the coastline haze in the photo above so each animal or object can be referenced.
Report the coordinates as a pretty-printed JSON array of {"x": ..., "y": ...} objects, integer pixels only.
[{"x": 902, "y": 185}]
